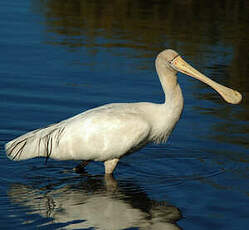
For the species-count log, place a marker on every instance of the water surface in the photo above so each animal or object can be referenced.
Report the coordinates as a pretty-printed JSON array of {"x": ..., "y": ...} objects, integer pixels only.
[{"x": 59, "y": 58}]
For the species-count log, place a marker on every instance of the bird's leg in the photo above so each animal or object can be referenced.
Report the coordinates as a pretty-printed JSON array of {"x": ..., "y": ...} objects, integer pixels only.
[
  {"x": 110, "y": 183},
  {"x": 110, "y": 165},
  {"x": 81, "y": 167}
]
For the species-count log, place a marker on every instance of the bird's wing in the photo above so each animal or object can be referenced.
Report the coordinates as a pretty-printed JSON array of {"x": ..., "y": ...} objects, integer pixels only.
[
  {"x": 103, "y": 133},
  {"x": 106, "y": 133}
]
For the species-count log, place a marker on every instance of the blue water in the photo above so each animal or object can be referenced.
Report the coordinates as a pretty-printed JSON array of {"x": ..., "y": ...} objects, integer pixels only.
[{"x": 59, "y": 58}]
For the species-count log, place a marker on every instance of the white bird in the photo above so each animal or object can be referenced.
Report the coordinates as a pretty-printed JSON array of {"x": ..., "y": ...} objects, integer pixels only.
[{"x": 109, "y": 132}]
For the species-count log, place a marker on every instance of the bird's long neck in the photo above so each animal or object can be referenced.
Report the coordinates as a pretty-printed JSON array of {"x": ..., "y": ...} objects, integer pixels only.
[
  {"x": 171, "y": 88},
  {"x": 169, "y": 112}
]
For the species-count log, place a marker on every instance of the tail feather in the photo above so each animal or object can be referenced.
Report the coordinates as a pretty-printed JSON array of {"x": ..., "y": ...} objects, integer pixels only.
[{"x": 37, "y": 143}]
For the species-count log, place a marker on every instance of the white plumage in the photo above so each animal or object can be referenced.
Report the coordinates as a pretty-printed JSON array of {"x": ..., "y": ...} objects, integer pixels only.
[{"x": 108, "y": 132}]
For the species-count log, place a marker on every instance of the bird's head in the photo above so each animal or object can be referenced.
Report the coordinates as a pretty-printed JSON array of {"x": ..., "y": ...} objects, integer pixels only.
[{"x": 171, "y": 60}]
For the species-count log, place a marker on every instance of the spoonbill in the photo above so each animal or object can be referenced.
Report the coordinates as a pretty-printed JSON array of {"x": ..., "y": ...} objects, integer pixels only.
[{"x": 109, "y": 132}]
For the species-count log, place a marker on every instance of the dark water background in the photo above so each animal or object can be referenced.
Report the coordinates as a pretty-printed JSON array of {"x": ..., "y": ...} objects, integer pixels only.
[{"x": 59, "y": 58}]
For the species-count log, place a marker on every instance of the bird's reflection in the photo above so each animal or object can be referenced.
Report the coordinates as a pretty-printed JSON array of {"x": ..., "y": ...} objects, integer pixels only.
[{"x": 101, "y": 203}]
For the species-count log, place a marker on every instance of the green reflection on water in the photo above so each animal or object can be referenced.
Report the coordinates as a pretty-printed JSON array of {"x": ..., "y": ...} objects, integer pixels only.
[{"x": 190, "y": 27}]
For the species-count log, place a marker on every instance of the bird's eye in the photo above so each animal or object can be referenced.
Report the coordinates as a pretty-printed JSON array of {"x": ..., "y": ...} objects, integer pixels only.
[{"x": 171, "y": 61}]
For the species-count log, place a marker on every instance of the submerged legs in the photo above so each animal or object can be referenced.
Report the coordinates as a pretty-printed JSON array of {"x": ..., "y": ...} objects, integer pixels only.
[
  {"x": 81, "y": 167},
  {"x": 110, "y": 165}
]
